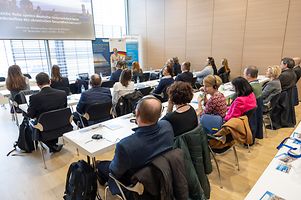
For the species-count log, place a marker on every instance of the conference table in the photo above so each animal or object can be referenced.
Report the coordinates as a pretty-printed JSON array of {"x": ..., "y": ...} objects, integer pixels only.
[
  {"x": 112, "y": 131},
  {"x": 282, "y": 177}
]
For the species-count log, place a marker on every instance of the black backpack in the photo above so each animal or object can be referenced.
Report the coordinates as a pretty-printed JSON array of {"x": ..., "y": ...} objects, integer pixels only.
[
  {"x": 25, "y": 140},
  {"x": 81, "y": 182}
]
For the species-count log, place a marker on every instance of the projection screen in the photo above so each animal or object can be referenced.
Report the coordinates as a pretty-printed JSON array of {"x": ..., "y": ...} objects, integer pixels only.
[{"x": 46, "y": 19}]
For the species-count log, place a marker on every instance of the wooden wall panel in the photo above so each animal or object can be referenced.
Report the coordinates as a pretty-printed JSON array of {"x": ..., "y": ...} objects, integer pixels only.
[
  {"x": 175, "y": 29},
  {"x": 199, "y": 32},
  {"x": 264, "y": 34},
  {"x": 155, "y": 33},
  {"x": 137, "y": 25},
  {"x": 292, "y": 47},
  {"x": 228, "y": 33}
]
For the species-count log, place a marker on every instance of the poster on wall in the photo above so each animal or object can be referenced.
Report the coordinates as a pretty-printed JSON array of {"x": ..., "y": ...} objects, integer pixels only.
[
  {"x": 117, "y": 50},
  {"x": 132, "y": 51},
  {"x": 101, "y": 56}
]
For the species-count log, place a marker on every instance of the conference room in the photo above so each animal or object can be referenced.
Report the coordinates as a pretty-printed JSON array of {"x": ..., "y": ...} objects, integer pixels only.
[{"x": 150, "y": 99}]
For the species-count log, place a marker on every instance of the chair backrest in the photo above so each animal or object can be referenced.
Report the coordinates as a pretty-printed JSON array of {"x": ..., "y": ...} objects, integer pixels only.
[
  {"x": 250, "y": 113},
  {"x": 145, "y": 91},
  {"x": 211, "y": 123},
  {"x": 66, "y": 89},
  {"x": 2, "y": 79},
  {"x": 108, "y": 84},
  {"x": 154, "y": 75},
  {"x": 55, "y": 123},
  {"x": 20, "y": 97},
  {"x": 127, "y": 104},
  {"x": 27, "y": 75},
  {"x": 146, "y": 76},
  {"x": 252, "y": 120},
  {"x": 98, "y": 112},
  {"x": 225, "y": 77},
  {"x": 83, "y": 76}
]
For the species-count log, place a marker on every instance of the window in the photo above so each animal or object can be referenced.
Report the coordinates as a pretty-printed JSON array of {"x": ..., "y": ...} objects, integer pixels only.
[{"x": 73, "y": 57}]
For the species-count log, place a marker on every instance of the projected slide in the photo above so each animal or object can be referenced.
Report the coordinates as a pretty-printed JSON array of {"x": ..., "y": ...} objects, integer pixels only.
[{"x": 46, "y": 19}]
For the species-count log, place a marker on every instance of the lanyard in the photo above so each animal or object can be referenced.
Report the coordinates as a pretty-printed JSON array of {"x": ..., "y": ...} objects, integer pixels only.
[{"x": 291, "y": 149}]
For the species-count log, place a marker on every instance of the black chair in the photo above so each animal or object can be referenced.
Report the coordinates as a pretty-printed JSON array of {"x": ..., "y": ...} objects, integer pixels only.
[
  {"x": 127, "y": 104},
  {"x": 19, "y": 99},
  {"x": 84, "y": 76},
  {"x": 283, "y": 113},
  {"x": 154, "y": 76},
  {"x": 27, "y": 75},
  {"x": 108, "y": 84},
  {"x": 66, "y": 89},
  {"x": 53, "y": 124},
  {"x": 145, "y": 91},
  {"x": 146, "y": 76},
  {"x": 225, "y": 77},
  {"x": 2, "y": 79},
  {"x": 95, "y": 113},
  {"x": 252, "y": 123}
]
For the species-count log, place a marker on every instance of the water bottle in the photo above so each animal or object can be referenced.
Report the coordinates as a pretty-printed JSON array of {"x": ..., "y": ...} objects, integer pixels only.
[
  {"x": 138, "y": 79},
  {"x": 82, "y": 88}
]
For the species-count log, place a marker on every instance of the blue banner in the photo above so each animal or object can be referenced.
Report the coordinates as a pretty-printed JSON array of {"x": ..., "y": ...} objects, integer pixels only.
[
  {"x": 101, "y": 56},
  {"x": 131, "y": 52}
]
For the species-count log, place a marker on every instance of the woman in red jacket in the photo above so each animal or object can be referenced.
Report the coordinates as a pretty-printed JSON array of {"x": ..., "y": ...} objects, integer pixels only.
[{"x": 244, "y": 101}]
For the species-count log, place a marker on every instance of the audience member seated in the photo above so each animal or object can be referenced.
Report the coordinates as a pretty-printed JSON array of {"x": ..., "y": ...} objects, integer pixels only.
[
  {"x": 224, "y": 71},
  {"x": 176, "y": 68},
  {"x": 57, "y": 81},
  {"x": 184, "y": 118},
  {"x": 210, "y": 69},
  {"x": 251, "y": 74},
  {"x": 137, "y": 72},
  {"x": 124, "y": 86},
  {"x": 216, "y": 104},
  {"x": 96, "y": 94},
  {"x": 297, "y": 70},
  {"x": 288, "y": 76},
  {"x": 165, "y": 82},
  {"x": 150, "y": 139},
  {"x": 46, "y": 100},
  {"x": 116, "y": 75},
  {"x": 16, "y": 81},
  {"x": 244, "y": 101},
  {"x": 273, "y": 87},
  {"x": 186, "y": 75}
]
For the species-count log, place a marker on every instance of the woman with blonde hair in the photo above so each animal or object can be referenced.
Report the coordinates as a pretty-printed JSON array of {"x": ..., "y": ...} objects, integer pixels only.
[
  {"x": 137, "y": 72},
  {"x": 216, "y": 104},
  {"x": 16, "y": 81},
  {"x": 273, "y": 87},
  {"x": 224, "y": 71}
]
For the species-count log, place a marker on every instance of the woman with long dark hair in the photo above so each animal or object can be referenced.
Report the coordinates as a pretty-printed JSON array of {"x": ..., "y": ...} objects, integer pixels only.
[{"x": 16, "y": 81}]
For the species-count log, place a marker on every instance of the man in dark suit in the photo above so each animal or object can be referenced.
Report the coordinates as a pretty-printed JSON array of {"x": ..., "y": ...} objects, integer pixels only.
[
  {"x": 288, "y": 77},
  {"x": 46, "y": 100},
  {"x": 150, "y": 139},
  {"x": 186, "y": 75},
  {"x": 116, "y": 75},
  {"x": 96, "y": 94}
]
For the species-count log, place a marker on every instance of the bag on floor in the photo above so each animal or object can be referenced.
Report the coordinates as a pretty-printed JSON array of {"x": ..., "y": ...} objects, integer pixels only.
[
  {"x": 81, "y": 182},
  {"x": 25, "y": 140}
]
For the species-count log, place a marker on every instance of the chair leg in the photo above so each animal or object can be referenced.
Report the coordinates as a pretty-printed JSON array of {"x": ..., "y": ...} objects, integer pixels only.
[
  {"x": 236, "y": 157},
  {"x": 106, "y": 191},
  {"x": 271, "y": 122},
  {"x": 217, "y": 166},
  {"x": 41, "y": 149},
  {"x": 77, "y": 151},
  {"x": 249, "y": 150}
]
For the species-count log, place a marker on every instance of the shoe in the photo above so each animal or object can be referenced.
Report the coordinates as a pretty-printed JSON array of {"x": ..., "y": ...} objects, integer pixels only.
[{"x": 56, "y": 148}]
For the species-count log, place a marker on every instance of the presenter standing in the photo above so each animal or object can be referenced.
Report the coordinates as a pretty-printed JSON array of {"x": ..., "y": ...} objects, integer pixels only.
[{"x": 115, "y": 57}]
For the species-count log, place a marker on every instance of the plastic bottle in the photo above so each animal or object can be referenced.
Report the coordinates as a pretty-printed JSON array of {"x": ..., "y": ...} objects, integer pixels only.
[
  {"x": 82, "y": 88},
  {"x": 138, "y": 79}
]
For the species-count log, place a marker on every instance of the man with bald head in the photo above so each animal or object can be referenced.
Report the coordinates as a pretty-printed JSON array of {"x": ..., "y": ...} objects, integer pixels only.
[
  {"x": 150, "y": 139},
  {"x": 96, "y": 94}
]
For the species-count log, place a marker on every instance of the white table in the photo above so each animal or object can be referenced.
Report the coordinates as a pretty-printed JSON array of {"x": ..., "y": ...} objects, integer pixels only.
[
  {"x": 112, "y": 132},
  {"x": 285, "y": 185},
  {"x": 6, "y": 92}
]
